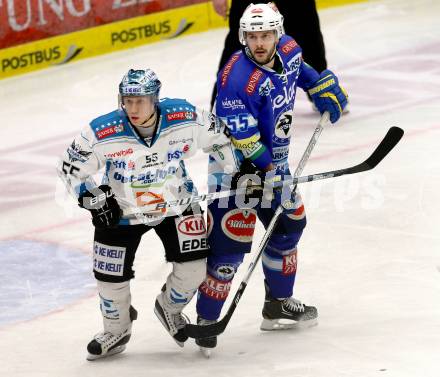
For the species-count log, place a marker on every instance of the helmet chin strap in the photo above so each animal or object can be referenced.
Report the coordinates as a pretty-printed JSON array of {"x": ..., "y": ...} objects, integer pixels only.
[{"x": 148, "y": 120}]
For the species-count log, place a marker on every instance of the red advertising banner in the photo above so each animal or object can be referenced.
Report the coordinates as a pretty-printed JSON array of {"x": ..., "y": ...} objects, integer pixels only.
[{"x": 23, "y": 21}]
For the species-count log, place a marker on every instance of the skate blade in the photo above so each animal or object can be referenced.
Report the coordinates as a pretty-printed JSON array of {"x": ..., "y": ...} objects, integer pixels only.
[
  {"x": 114, "y": 351},
  {"x": 206, "y": 352},
  {"x": 159, "y": 317},
  {"x": 180, "y": 344},
  {"x": 275, "y": 324}
]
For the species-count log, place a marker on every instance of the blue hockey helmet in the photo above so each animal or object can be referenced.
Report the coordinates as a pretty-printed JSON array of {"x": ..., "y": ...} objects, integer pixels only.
[{"x": 141, "y": 82}]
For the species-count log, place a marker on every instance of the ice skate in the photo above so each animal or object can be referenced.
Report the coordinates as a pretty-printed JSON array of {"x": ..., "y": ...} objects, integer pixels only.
[
  {"x": 106, "y": 343},
  {"x": 174, "y": 322},
  {"x": 286, "y": 313},
  {"x": 206, "y": 344}
]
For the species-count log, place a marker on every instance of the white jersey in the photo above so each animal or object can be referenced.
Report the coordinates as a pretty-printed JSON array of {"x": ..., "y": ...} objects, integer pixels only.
[{"x": 144, "y": 172}]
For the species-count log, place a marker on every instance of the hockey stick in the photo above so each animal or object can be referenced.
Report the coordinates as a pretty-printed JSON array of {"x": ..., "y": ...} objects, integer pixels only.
[
  {"x": 390, "y": 140},
  {"x": 392, "y": 137},
  {"x": 196, "y": 331}
]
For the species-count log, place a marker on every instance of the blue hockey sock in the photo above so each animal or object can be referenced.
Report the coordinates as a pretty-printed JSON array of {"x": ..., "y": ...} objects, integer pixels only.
[
  {"x": 214, "y": 290},
  {"x": 280, "y": 272}
]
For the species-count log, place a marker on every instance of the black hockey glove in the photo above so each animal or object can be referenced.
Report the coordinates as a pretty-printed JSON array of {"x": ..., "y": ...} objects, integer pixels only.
[
  {"x": 254, "y": 181},
  {"x": 250, "y": 178},
  {"x": 101, "y": 202}
]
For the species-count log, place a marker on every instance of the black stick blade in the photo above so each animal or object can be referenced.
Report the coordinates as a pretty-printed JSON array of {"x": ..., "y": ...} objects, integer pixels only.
[
  {"x": 390, "y": 140},
  {"x": 197, "y": 332}
]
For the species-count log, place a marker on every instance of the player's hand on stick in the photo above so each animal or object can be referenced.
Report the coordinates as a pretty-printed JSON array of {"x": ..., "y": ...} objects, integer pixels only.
[{"x": 260, "y": 185}]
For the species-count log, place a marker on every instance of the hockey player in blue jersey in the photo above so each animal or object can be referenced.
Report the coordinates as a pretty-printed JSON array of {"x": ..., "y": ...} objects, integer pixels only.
[
  {"x": 256, "y": 95},
  {"x": 141, "y": 148}
]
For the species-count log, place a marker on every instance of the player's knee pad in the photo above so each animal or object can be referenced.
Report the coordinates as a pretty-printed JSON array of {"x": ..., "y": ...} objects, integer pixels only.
[
  {"x": 220, "y": 272},
  {"x": 283, "y": 244},
  {"x": 183, "y": 281},
  {"x": 115, "y": 300}
]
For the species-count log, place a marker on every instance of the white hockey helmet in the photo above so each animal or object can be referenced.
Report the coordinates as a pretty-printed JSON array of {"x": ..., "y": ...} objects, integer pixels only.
[{"x": 261, "y": 17}]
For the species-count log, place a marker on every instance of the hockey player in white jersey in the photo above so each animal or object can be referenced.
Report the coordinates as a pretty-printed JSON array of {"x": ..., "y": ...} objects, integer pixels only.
[{"x": 141, "y": 149}]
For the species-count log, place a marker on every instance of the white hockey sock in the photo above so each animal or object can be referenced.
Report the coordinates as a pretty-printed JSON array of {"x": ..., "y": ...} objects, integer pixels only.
[
  {"x": 182, "y": 283},
  {"x": 115, "y": 306}
]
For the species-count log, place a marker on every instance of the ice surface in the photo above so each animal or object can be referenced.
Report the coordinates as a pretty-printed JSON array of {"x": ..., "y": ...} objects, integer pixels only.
[{"x": 369, "y": 258}]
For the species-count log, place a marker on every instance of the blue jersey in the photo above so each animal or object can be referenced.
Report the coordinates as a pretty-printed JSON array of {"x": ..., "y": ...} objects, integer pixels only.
[{"x": 257, "y": 102}]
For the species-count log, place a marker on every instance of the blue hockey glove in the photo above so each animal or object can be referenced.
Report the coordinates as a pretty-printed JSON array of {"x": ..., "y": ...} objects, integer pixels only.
[
  {"x": 101, "y": 202},
  {"x": 328, "y": 95}
]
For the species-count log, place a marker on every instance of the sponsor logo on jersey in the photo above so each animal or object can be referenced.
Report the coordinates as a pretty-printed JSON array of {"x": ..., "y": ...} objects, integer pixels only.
[
  {"x": 122, "y": 164},
  {"x": 119, "y": 164},
  {"x": 121, "y": 153},
  {"x": 172, "y": 142},
  {"x": 283, "y": 128},
  {"x": 288, "y": 46},
  {"x": 250, "y": 148},
  {"x": 239, "y": 224},
  {"x": 77, "y": 154},
  {"x": 253, "y": 81},
  {"x": 192, "y": 225},
  {"x": 295, "y": 62},
  {"x": 280, "y": 153},
  {"x": 131, "y": 165},
  {"x": 227, "y": 69},
  {"x": 285, "y": 98},
  {"x": 181, "y": 115},
  {"x": 145, "y": 198},
  {"x": 177, "y": 154},
  {"x": 108, "y": 131},
  {"x": 233, "y": 104},
  {"x": 143, "y": 180},
  {"x": 218, "y": 149},
  {"x": 289, "y": 264},
  {"x": 266, "y": 87},
  {"x": 216, "y": 289},
  {"x": 108, "y": 260}
]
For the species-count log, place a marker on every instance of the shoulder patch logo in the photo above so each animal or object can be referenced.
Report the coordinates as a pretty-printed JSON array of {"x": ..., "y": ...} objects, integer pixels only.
[
  {"x": 181, "y": 115},
  {"x": 289, "y": 46},
  {"x": 77, "y": 154},
  {"x": 106, "y": 130}
]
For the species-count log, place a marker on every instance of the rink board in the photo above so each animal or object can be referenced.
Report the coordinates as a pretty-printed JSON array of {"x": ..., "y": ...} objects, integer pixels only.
[
  {"x": 107, "y": 38},
  {"x": 116, "y": 36}
]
